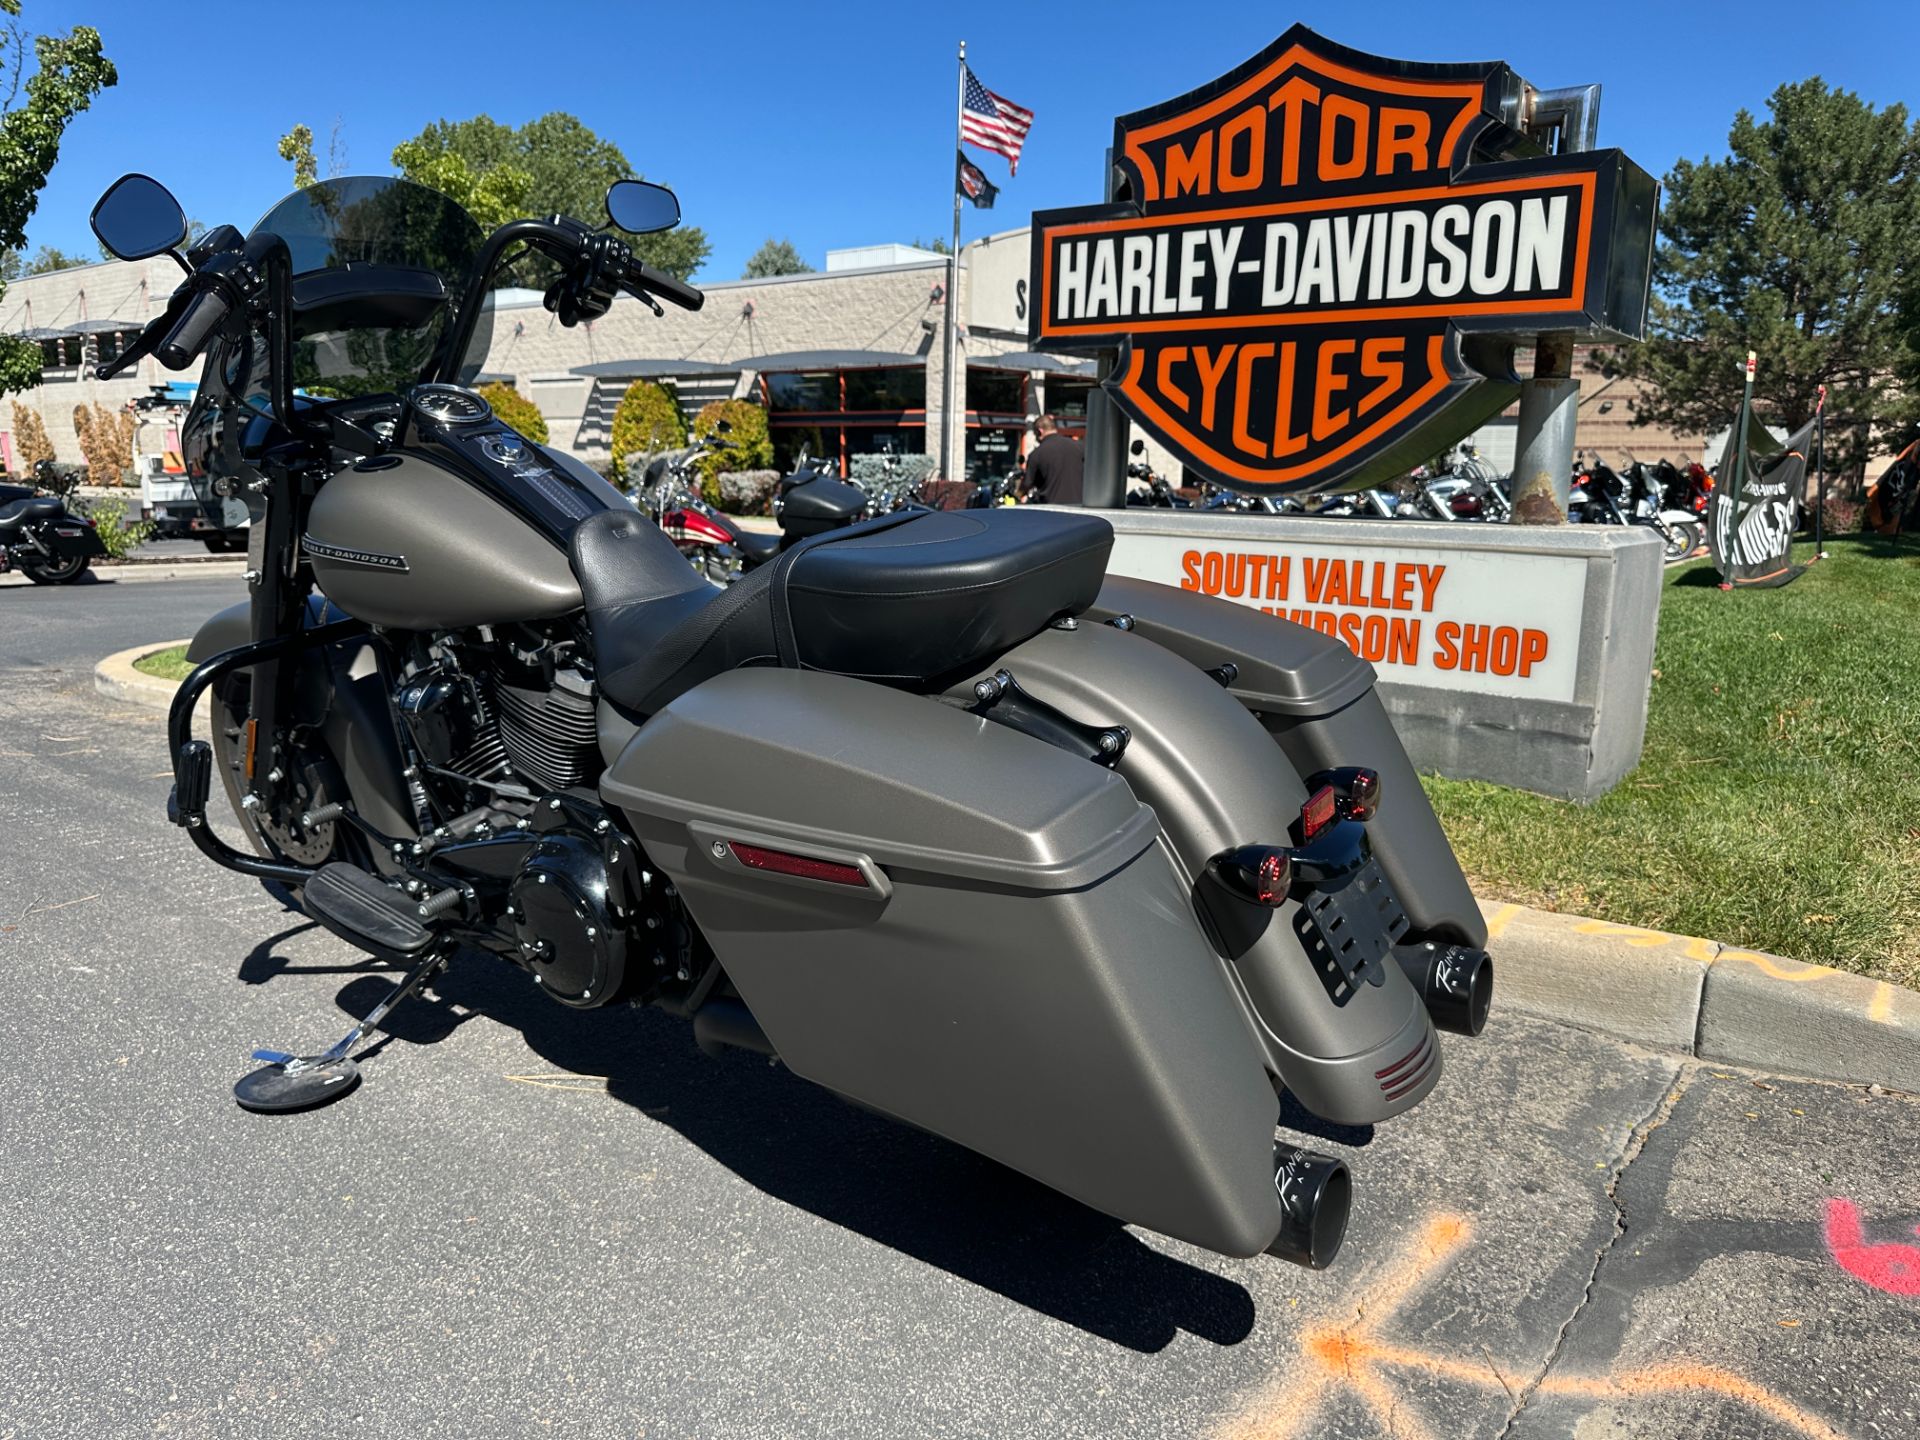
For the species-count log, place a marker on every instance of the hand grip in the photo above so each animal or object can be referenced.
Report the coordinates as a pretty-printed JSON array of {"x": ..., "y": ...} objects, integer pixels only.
[
  {"x": 192, "y": 330},
  {"x": 666, "y": 287}
]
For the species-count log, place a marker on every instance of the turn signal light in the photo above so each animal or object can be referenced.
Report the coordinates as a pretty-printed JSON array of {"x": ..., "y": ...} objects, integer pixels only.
[{"x": 1259, "y": 874}]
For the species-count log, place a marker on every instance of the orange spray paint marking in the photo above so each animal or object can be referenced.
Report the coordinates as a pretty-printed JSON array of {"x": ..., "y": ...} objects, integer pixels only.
[{"x": 1351, "y": 1359}]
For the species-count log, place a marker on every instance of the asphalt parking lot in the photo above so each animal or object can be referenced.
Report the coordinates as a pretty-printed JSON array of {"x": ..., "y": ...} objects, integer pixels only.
[{"x": 537, "y": 1222}]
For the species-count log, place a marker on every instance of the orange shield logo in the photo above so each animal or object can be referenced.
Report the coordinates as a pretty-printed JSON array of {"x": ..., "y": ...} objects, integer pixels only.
[{"x": 1321, "y": 263}]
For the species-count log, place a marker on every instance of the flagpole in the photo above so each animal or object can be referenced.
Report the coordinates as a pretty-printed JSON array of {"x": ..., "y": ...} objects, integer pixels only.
[
  {"x": 1738, "y": 447},
  {"x": 949, "y": 389},
  {"x": 1820, "y": 440}
]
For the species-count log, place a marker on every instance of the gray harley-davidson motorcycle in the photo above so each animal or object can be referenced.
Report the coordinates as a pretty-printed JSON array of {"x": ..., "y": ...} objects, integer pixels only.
[{"x": 1082, "y": 873}]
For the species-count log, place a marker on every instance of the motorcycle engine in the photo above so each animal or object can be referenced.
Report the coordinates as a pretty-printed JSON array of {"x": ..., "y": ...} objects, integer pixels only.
[{"x": 562, "y": 905}]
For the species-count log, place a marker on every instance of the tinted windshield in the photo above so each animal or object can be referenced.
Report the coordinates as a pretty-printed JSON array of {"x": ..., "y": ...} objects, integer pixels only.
[{"x": 384, "y": 262}]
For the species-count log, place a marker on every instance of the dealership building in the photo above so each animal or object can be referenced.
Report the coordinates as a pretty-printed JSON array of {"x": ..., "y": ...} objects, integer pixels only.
[{"x": 848, "y": 361}]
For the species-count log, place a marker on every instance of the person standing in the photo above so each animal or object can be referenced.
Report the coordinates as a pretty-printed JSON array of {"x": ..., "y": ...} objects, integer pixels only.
[{"x": 1055, "y": 468}]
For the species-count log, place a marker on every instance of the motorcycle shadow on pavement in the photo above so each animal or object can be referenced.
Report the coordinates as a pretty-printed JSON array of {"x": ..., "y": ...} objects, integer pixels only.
[{"x": 924, "y": 1196}]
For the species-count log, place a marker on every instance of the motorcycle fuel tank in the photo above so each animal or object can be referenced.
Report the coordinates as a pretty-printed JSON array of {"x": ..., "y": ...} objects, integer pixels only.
[{"x": 402, "y": 540}]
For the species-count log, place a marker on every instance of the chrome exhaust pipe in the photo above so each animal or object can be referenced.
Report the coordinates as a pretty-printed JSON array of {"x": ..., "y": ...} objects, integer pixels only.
[
  {"x": 1316, "y": 1196},
  {"x": 1455, "y": 981}
]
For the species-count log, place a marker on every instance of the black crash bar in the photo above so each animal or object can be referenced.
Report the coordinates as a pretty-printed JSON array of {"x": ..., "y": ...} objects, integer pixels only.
[{"x": 192, "y": 759}]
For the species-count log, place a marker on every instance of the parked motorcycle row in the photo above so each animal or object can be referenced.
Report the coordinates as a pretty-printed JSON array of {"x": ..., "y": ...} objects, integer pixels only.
[
  {"x": 907, "y": 803},
  {"x": 1669, "y": 499}
]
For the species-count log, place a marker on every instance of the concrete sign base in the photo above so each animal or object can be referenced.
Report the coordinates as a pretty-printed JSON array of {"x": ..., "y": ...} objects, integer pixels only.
[{"x": 1520, "y": 655}]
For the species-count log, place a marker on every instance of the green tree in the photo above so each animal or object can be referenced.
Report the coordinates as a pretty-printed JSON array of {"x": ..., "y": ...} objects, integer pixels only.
[
  {"x": 570, "y": 169},
  {"x": 68, "y": 71},
  {"x": 492, "y": 196},
  {"x": 296, "y": 147},
  {"x": 938, "y": 245},
  {"x": 776, "y": 257},
  {"x": 1798, "y": 246},
  {"x": 48, "y": 258}
]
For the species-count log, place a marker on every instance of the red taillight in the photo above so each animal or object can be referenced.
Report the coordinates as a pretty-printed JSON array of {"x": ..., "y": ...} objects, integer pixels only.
[
  {"x": 1363, "y": 794},
  {"x": 1317, "y": 813},
  {"x": 1259, "y": 874},
  {"x": 93, "y": 523},
  {"x": 807, "y": 867}
]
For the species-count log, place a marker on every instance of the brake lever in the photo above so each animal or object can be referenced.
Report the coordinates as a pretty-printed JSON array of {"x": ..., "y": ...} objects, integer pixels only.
[{"x": 647, "y": 300}]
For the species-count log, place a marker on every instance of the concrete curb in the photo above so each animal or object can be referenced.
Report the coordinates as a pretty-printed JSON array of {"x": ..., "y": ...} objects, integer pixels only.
[
  {"x": 115, "y": 678},
  {"x": 141, "y": 571},
  {"x": 1668, "y": 992},
  {"x": 1702, "y": 998}
]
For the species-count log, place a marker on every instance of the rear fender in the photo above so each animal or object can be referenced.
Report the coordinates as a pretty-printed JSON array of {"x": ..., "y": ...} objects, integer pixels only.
[
  {"x": 350, "y": 700},
  {"x": 1216, "y": 781},
  {"x": 1315, "y": 697}
]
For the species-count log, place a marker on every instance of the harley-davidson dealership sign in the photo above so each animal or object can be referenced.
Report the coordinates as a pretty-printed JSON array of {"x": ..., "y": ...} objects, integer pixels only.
[{"x": 1321, "y": 262}]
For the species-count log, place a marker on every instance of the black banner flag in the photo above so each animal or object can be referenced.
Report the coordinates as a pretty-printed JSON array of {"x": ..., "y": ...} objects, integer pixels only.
[{"x": 1756, "y": 500}]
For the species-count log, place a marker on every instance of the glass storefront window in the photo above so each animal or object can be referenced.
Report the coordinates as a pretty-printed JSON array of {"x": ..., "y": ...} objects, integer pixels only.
[
  {"x": 991, "y": 451},
  {"x": 812, "y": 391},
  {"x": 996, "y": 392},
  {"x": 887, "y": 388},
  {"x": 1067, "y": 398}
]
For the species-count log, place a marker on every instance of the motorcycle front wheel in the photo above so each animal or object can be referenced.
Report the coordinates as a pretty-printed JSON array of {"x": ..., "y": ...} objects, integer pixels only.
[
  {"x": 1680, "y": 539},
  {"x": 55, "y": 572}
]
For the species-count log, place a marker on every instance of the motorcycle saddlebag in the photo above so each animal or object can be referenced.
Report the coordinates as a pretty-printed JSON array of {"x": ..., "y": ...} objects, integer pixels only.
[
  {"x": 1316, "y": 698},
  {"x": 968, "y": 929},
  {"x": 70, "y": 537}
]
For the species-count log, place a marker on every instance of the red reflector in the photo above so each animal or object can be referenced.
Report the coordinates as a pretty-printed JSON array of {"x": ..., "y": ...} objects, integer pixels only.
[
  {"x": 806, "y": 867},
  {"x": 1317, "y": 813}
]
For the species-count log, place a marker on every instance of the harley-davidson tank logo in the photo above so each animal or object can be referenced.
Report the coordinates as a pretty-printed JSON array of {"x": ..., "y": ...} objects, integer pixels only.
[
  {"x": 1321, "y": 262},
  {"x": 352, "y": 555}
]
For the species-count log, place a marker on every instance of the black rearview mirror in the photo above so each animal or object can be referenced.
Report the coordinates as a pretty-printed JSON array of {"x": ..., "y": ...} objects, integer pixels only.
[
  {"x": 723, "y": 427},
  {"x": 1139, "y": 447},
  {"x": 138, "y": 217},
  {"x": 640, "y": 208}
]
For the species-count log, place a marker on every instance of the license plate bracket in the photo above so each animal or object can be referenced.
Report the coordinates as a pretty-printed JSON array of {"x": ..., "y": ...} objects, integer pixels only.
[{"x": 1349, "y": 931}]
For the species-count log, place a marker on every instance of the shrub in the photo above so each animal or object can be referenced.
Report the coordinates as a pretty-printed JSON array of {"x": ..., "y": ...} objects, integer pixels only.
[
  {"x": 647, "y": 420},
  {"x": 1840, "y": 517},
  {"x": 747, "y": 492},
  {"x": 752, "y": 447},
  {"x": 516, "y": 410},
  {"x": 871, "y": 470},
  {"x": 30, "y": 442},
  {"x": 120, "y": 536},
  {"x": 106, "y": 439}
]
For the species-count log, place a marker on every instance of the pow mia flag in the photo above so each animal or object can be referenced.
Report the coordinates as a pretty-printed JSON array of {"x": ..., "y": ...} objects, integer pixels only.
[{"x": 1756, "y": 501}]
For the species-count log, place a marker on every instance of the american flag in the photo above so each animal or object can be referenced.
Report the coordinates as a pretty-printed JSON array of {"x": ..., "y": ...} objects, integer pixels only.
[{"x": 993, "y": 122}]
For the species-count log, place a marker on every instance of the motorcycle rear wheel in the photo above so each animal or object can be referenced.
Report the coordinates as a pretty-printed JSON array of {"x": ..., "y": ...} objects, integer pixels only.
[{"x": 61, "y": 572}]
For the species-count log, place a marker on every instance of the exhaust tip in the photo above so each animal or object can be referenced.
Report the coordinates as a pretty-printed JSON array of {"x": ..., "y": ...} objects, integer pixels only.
[
  {"x": 1316, "y": 1196},
  {"x": 1454, "y": 981}
]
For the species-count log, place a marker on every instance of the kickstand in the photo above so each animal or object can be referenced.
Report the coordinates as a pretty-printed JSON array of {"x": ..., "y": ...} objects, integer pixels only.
[{"x": 300, "y": 1082}]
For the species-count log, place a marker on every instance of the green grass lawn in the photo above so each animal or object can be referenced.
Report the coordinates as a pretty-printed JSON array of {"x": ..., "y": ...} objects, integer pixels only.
[
  {"x": 167, "y": 664},
  {"x": 1777, "y": 803}
]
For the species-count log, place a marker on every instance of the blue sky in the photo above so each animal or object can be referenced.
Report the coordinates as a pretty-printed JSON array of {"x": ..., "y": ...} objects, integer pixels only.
[{"x": 832, "y": 124}]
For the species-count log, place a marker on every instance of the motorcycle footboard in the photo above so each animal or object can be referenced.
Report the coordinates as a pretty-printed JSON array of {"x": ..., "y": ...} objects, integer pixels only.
[{"x": 968, "y": 929}]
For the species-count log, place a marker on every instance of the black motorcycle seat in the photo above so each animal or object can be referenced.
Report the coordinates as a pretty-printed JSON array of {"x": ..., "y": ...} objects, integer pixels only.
[
  {"x": 758, "y": 546},
  {"x": 905, "y": 599},
  {"x": 38, "y": 507}
]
